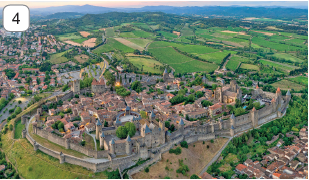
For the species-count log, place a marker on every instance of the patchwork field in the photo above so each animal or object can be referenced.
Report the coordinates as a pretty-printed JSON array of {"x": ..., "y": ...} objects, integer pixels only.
[
  {"x": 79, "y": 41},
  {"x": 109, "y": 32},
  {"x": 216, "y": 57},
  {"x": 249, "y": 66},
  {"x": 281, "y": 66},
  {"x": 301, "y": 79},
  {"x": 274, "y": 45},
  {"x": 148, "y": 65},
  {"x": 112, "y": 45},
  {"x": 68, "y": 36},
  {"x": 168, "y": 35},
  {"x": 234, "y": 62},
  {"x": 129, "y": 43},
  {"x": 179, "y": 62},
  {"x": 140, "y": 42},
  {"x": 196, "y": 157},
  {"x": 286, "y": 84},
  {"x": 288, "y": 57},
  {"x": 186, "y": 31}
]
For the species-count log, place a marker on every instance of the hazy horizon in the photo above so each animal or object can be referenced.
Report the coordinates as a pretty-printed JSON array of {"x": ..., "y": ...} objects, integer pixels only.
[{"x": 139, "y": 4}]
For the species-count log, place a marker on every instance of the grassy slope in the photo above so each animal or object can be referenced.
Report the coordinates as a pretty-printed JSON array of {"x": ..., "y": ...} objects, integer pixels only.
[
  {"x": 112, "y": 45},
  {"x": 56, "y": 58},
  {"x": 149, "y": 64}
]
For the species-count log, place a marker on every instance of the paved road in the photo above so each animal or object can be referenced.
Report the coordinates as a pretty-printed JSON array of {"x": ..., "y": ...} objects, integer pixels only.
[{"x": 216, "y": 156}]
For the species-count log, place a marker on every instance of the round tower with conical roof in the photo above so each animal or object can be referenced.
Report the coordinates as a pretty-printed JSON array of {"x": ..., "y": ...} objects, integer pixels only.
[
  {"x": 102, "y": 140},
  {"x": 165, "y": 75},
  {"x": 128, "y": 145},
  {"x": 112, "y": 146}
]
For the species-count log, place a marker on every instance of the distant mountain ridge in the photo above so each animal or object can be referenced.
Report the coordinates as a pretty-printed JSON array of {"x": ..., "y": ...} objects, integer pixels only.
[{"x": 238, "y": 11}]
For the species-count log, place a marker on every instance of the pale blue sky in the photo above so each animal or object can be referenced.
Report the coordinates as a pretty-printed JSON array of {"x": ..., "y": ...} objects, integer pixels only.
[{"x": 123, "y": 4}]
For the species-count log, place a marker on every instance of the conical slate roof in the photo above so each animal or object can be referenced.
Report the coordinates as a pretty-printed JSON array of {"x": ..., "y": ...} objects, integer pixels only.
[
  {"x": 232, "y": 116},
  {"x": 147, "y": 130},
  {"x": 232, "y": 127},
  {"x": 117, "y": 121},
  {"x": 204, "y": 77},
  {"x": 168, "y": 133},
  {"x": 128, "y": 139},
  {"x": 165, "y": 71},
  {"x": 152, "y": 114},
  {"x": 128, "y": 108},
  {"x": 99, "y": 123},
  {"x": 112, "y": 141},
  {"x": 181, "y": 122},
  {"x": 288, "y": 93},
  {"x": 102, "y": 135}
]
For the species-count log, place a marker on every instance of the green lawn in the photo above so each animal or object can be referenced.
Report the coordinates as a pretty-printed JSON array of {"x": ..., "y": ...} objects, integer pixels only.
[
  {"x": 301, "y": 79},
  {"x": 112, "y": 45},
  {"x": 57, "y": 58},
  {"x": 18, "y": 129},
  {"x": 127, "y": 35},
  {"x": 150, "y": 65}
]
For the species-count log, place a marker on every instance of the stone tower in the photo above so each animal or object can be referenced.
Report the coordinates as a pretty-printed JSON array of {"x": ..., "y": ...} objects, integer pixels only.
[
  {"x": 146, "y": 134},
  {"x": 128, "y": 145},
  {"x": 61, "y": 158},
  {"x": 279, "y": 96},
  {"x": 232, "y": 123},
  {"x": 181, "y": 126},
  {"x": 204, "y": 80},
  {"x": 76, "y": 87},
  {"x": 102, "y": 139},
  {"x": 165, "y": 75},
  {"x": 254, "y": 117},
  {"x": 112, "y": 146},
  {"x": 98, "y": 126}
]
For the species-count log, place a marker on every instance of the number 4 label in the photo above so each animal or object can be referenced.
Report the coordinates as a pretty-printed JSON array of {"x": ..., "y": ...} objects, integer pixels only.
[{"x": 16, "y": 18}]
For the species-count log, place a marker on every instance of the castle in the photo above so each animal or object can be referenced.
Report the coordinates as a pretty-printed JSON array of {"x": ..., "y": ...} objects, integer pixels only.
[
  {"x": 228, "y": 94},
  {"x": 97, "y": 86},
  {"x": 152, "y": 138},
  {"x": 168, "y": 77}
]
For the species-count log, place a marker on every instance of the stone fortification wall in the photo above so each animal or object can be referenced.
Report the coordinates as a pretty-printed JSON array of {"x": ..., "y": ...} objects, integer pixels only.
[
  {"x": 69, "y": 145},
  {"x": 156, "y": 158}
]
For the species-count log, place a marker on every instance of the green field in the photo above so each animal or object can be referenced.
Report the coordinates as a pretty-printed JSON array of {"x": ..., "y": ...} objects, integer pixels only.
[
  {"x": 195, "y": 49},
  {"x": 168, "y": 35},
  {"x": 283, "y": 67},
  {"x": 142, "y": 25},
  {"x": 81, "y": 40},
  {"x": 18, "y": 129},
  {"x": 109, "y": 32},
  {"x": 216, "y": 57},
  {"x": 127, "y": 35},
  {"x": 186, "y": 31},
  {"x": 287, "y": 57},
  {"x": 57, "y": 58},
  {"x": 140, "y": 42},
  {"x": 142, "y": 34},
  {"x": 112, "y": 45},
  {"x": 250, "y": 67},
  {"x": 68, "y": 36},
  {"x": 301, "y": 79},
  {"x": 286, "y": 84},
  {"x": 149, "y": 65},
  {"x": 179, "y": 62},
  {"x": 234, "y": 61},
  {"x": 273, "y": 45}
]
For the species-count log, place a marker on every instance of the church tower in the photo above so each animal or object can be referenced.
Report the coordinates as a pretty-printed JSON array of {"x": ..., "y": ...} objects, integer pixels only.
[{"x": 76, "y": 87}]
